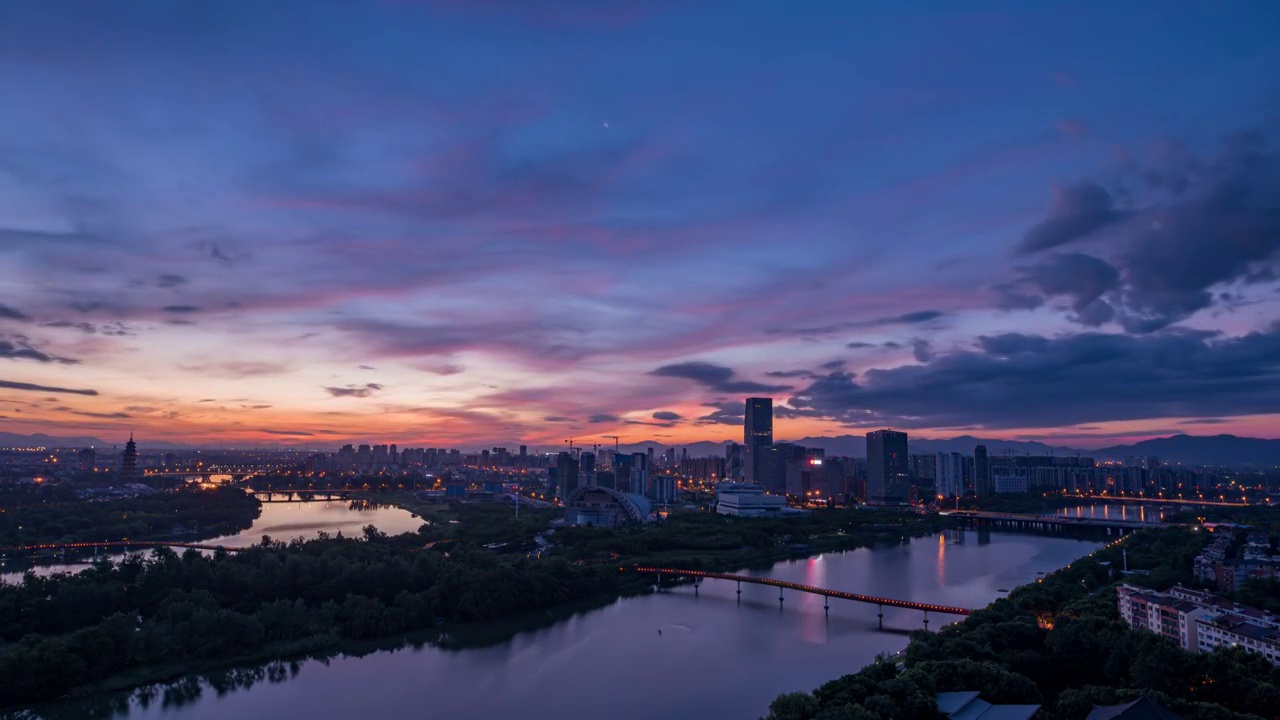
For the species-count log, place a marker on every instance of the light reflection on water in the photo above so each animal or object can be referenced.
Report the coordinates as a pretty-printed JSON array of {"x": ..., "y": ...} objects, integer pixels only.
[
  {"x": 718, "y": 655},
  {"x": 281, "y": 521}
]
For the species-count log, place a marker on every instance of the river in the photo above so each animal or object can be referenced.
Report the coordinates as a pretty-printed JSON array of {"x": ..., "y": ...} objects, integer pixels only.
[
  {"x": 674, "y": 654},
  {"x": 280, "y": 520}
]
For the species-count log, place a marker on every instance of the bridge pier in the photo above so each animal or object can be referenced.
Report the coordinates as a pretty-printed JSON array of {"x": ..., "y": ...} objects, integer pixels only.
[
  {"x": 826, "y": 602},
  {"x": 880, "y": 615},
  {"x": 926, "y": 621},
  {"x": 779, "y": 597}
]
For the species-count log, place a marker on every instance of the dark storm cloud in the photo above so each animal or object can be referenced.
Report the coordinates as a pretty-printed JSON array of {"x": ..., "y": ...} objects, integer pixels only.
[
  {"x": 1083, "y": 279},
  {"x": 287, "y": 433},
  {"x": 169, "y": 281},
  {"x": 602, "y": 418},
  {"x": 790, "y": 373},
  {"x": 10, "y": 385},
  {"x": 359, "y": 391},
  {"x": 1075, "y": 212},
  {"x": 1166, "y": 258},
  {"x": 921, "y": 350},
  {"x": 84, "y": 327},
  {"x": 1017, "y": 380},
  {"x": 724, "y": 413},
  {"x": 21, "y": 349},
  {"x": 97, "y": 415},
  {"x": 556, "y": 419},
  {"x": 8, "y": 313},
  {"x": 911, "y": 318},
  {"x": 715, "y": 377},
  {"x": 667, "y": 415},
  {"x": 180, "y": 309}
]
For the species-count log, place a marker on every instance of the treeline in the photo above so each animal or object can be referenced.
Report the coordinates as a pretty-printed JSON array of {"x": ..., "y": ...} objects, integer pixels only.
[
  {"x": 703, "y": 539},
  {"x": 56, "y": 515},
  {"x": 1059, "y": 643},
  {"x": 173, "y": 613}
]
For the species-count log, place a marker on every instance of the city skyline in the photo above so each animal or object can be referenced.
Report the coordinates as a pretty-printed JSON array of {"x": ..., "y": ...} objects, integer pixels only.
[{"x": 462, "y": 225}]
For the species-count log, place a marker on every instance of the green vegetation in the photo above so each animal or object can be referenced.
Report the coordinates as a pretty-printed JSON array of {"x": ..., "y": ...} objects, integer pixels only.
[
  {"x": 1059, "y": 642},
  {"x": 55, "y": 515},
  {"x": 709, "y": 541},
  {"x": 150, "y": 619}
]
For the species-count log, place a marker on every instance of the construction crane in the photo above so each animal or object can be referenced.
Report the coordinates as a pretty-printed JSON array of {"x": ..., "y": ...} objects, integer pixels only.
[{"x": 615, "y": 443}]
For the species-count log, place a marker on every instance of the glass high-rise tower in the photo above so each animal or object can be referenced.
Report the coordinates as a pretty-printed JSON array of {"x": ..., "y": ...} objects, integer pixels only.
[
  {"x": 757, "y": 433},
  {"x": 888, "y": 476}
]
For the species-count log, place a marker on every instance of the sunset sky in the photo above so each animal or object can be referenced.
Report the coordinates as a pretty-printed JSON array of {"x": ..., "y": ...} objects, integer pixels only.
[{"x": 476, "y": 222}]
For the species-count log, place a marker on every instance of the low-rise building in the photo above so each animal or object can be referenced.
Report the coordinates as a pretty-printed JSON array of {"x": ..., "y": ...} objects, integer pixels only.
[
  {"x": 747, "y": 500},
  {"x": 1199, "y": 621}
]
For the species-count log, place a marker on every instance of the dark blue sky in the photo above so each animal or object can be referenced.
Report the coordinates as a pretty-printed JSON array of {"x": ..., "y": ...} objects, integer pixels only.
[{"x": 488, "y": 221}]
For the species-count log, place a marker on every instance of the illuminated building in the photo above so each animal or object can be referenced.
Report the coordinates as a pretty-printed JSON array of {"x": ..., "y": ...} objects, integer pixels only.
[
  {"x": 981, "y": 471},
  {"x": 747, "y": 500},
  {"x": 757, "y": 433},
  {"x": 887, "y": 474}
]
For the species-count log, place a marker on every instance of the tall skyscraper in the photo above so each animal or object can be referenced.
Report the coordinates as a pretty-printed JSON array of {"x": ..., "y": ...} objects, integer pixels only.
[
  {"x": 641, "y": 464},
  {"x": 757, "y": 432},
  {"x": 85, "y": 460},
  {"x": 888, "y": 476},
  {"x": 587, "y": 464},
  {"x": 981, "y": 471},
  {"x": 566, "y": 475},
  {"x": 129, "y": 460}
]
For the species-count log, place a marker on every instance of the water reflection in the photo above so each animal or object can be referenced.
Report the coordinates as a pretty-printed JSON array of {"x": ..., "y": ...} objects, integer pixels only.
[
  {"x": 1118, "y": 511},
  {"x": 714, "y": 657},
  {"x": 280, "y": 520}
]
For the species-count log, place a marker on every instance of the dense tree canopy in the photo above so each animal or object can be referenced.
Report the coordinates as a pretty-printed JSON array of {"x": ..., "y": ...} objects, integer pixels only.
[
  {"x": 56, "y": 515},
  {"x": 192, "y": 610}
]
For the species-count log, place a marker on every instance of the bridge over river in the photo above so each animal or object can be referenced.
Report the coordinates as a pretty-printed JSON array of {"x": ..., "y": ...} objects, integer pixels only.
[{"x": 826, "y": 593}]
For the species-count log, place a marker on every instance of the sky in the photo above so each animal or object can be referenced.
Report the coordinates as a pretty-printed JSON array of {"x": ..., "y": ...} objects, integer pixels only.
[{"x": 478, "y": 222}]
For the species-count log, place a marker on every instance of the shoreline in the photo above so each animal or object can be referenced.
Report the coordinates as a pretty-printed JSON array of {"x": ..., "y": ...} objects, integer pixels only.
[{"x": 451, "y": 636}]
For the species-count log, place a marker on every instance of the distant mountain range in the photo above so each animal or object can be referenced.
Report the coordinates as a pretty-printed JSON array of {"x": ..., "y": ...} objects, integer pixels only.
[{"x": 1188, "y": 449}]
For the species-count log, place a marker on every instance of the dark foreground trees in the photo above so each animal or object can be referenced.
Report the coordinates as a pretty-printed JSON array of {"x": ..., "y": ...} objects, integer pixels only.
[
  {"x": 55, "y": 515},
  {"x": 184, "y": 612}
]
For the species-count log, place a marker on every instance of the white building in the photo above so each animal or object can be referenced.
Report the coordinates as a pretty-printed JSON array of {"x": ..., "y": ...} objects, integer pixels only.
[
  {"x": 950, "y": 474},
  {"x": 747, "y": 500},
  {"x": 1200, "y": 622}
]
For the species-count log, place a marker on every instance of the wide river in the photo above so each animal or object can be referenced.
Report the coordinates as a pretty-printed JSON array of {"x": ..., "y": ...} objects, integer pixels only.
[{"x": 674, "y": 654}]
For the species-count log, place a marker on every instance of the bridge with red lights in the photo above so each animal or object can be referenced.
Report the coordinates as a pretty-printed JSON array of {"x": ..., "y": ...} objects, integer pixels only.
[
  {"x": 826, "y": 593},
  {"x": 109, "y": 544}
]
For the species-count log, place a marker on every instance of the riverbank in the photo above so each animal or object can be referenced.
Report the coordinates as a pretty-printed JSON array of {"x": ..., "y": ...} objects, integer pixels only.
[
  {"x": 606, "y": 657},
  {"x": 1059, "y": 642},
  {"x": 56, "y": 515},
  {"x": 188, "y": 617}
]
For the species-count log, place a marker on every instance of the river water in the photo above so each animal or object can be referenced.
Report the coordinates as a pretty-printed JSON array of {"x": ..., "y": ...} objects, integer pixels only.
[
  {"x": 1118, "y": 511},
  {"x": 674, "y": 654},
  {"x": 280, "y": 520}
]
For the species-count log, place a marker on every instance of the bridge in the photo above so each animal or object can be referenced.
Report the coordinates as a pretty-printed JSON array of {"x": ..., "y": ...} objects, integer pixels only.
[
  {"x": 826, "y": 593},
  {"x": 107, "y": 544},
  {"x": 1051, "y": 522},
  {"x": 1123, "y": 500},
  {"x": 303, "y": 494}
]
